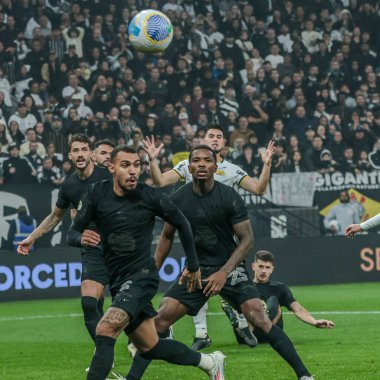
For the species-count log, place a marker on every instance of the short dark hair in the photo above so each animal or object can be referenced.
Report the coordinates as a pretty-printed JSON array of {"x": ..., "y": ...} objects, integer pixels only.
[
  {"x": 122, "y": 148},
  {"x": 215, "y": 126},
  {"x": 104, "y": 142},
  {"x": 79, "y": 137},
  {"x": 203, "y": 147},
  {"x": 264, "y": 256}
]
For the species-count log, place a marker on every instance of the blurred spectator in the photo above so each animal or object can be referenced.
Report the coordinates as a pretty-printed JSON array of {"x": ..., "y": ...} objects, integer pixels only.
[
  {"x": 48, "y": 173},
  {"x": 341, "y": 215},
  {"x": 17, "y": 169},
  {"x": 31, "y": 137},
  {"x": 313, "y": 154},
  {"x": 20, "y": 228}
]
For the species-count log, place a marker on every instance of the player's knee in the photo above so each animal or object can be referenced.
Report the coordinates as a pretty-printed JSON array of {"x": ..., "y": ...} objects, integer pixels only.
[{"x": 162, "y": 325}]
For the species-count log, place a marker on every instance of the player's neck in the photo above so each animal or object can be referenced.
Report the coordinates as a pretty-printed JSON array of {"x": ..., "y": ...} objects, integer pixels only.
[
  {"x": 219, "y": 158},
  {"x": 86, "y": 172},
  {"x": 203, "y": 187}
]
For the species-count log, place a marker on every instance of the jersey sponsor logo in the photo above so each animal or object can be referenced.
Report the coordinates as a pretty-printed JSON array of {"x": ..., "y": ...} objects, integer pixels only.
[
  {"x": 125, "y": 285},
  {"x": 239, "y": 172},
  {"x": 238, "y": 275},
  {"x": 220, "y": 172}
]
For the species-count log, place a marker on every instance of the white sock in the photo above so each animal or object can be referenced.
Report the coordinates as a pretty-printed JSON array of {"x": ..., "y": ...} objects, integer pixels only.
[
  {"x": 206, "y": 362},
  {"x": 242, "y": 321},
  {"x": 200, "y": 322}
]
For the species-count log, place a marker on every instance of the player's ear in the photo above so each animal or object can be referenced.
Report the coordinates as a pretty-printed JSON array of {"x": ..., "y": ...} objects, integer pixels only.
[
  {"x": 70, "y": 156},
  {"x": 111, "y": 168}
]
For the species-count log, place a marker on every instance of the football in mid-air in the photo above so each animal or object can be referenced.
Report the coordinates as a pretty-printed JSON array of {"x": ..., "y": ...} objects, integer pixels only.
[{"x": 150, "y": 31}]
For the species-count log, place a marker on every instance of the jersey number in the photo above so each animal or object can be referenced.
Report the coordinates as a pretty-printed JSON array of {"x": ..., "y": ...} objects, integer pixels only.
[{"x": 238, "y": 275}]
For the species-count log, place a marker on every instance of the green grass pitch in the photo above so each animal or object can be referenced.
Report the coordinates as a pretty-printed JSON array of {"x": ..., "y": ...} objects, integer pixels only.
[{"x": 47, "y": 340}]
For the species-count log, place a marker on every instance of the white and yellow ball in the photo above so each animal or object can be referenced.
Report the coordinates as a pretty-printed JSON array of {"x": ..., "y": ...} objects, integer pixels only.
[{"x": 150, "y": 31}]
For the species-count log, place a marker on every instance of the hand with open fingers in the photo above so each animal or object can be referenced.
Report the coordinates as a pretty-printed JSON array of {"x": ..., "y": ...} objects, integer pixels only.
[
  {"x": 352, "y": 229},
  {"x": 324, "y": 324},
  {"x": 267, "y": 155},
  {"x": 151, "y": 149},
  {"x": 25, "y": 245},
  {"x": 90, "y": 238},
  {"x": 215, "y": 283},
  {"x": 193, "y": 279}
]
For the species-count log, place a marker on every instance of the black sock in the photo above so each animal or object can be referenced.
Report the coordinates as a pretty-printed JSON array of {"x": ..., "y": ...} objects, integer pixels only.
[
  {"x": 172, "y": 351},
  {"x": 91, "y": 314},
  {"x": 282, "y": 344},
  {"x": 99, "y": 306},
  {"x": 102, "y": 360}
]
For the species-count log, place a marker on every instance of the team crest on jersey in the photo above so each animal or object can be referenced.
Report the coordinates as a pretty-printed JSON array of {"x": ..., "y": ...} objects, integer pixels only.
[{"x": 220, "y": 172}]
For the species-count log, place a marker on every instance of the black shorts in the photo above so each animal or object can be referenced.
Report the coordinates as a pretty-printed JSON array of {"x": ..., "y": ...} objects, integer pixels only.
[
  {"x": 135, "y": 296},
  {"x": 237, "y": 289},
  {"x": 93, "y": 265}
]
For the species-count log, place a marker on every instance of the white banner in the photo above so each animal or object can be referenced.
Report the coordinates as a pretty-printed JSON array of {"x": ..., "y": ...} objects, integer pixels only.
[{"x": 293, "y": 189}]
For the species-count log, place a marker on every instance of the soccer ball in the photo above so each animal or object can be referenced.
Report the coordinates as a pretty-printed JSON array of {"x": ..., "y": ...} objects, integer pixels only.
[{"x": 150, "y": 31}]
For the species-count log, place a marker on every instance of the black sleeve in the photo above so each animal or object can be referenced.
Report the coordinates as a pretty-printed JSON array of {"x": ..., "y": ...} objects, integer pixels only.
[
  {"x": 168, "y": 211},
  {"x": 238, "y": 210},
  {"x": 286, "y": 297},
  {"x": 83, "y": 218},
  {"x": 62, "y": 201}
]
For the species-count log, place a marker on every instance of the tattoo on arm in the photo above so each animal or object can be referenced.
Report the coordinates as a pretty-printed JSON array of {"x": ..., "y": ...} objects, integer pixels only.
[{"x": 52, "y": 220}]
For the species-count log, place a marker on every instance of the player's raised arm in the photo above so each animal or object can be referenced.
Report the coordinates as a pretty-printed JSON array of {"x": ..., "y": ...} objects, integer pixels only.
[
  {"x": 259, "y": 186},
  {"x": 159, "y": 179},
  {"x": 52, "y": 220}
]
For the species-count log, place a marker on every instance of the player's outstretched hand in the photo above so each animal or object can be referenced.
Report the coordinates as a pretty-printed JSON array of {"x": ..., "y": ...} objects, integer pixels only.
[
  {"x": 151, "y": 149},
  {"x": 25, "y": 245},
  {"x": 352, "y": 229},
  {"x": 215, "y": 283},
  {"x": 324, "y": 324},
  {"x": 193, "y": 279},
  {"x": 267, "y": 155},
  {"x": 90, "y": 238}
]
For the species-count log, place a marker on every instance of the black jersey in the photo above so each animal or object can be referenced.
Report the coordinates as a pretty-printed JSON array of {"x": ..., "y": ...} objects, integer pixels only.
[
  {"x": 126, "y": 225},
  {"x": 73, "y": 187},
  {"x": 212, "y": 217},
  {"x": 281, "y": 291}
]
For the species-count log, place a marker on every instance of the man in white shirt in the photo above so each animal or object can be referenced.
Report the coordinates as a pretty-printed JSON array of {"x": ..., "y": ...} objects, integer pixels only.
[
  {"x": 274, "y": 57},
  {"x": 24, "y": 118},
  {"x": 73, "y": 87}
]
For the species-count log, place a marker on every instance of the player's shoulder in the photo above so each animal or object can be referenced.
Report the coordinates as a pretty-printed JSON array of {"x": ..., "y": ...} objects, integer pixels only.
[
  {"x": 70, "y": 180},
  {"x": 182, "y": 165},
  {"x": 180, "y": 192},
  {"x": 277, "y": 284},
  {"x": 100, "y": 173},
  {"x": 225, "y": 189}
]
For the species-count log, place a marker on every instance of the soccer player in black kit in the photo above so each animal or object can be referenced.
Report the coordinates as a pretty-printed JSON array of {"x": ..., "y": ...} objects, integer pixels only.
[
  {"x": 94, "y": 271},
  {"x": 217, "y": 215},
  {"x": 275, "y": 295},
  {"x": 124, "y": 212}
]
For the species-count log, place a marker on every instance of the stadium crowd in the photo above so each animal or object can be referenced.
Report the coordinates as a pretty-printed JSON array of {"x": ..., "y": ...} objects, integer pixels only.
[{"x": 303, "y": 73}]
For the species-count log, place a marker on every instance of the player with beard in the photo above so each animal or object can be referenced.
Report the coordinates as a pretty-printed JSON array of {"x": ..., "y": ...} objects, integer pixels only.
[
  {"x": 223, "y": 238},
  {"x": 125, "y": 211},
  {"x": 94, "y": 272},
  {"x": 230, "y": 175},
  {"x": 102, "y": 152}
]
